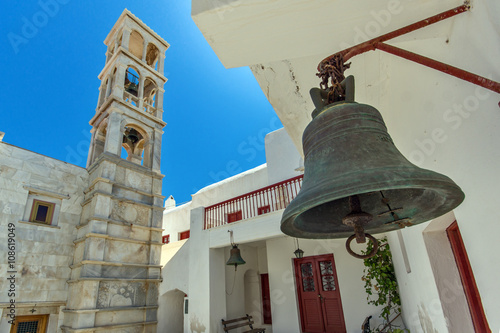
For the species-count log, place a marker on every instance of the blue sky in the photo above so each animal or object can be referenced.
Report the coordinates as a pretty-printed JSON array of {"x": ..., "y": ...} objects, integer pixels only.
[{"x": 216, "y": 117}]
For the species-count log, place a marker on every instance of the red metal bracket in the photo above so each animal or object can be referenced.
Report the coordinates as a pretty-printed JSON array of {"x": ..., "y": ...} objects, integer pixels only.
[
  {"x": 454, "y": 71},
  {"x": 378, "y": 43}
]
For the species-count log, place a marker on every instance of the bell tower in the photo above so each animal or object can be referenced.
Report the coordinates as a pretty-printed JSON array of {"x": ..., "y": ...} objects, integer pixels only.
[{"x": 116, "y": 269}]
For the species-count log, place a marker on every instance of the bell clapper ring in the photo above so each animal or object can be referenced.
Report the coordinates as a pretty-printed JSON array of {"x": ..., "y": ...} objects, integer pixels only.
[
  {"x": 362, "y": 256},
  {"x": 357, "y": 219}
]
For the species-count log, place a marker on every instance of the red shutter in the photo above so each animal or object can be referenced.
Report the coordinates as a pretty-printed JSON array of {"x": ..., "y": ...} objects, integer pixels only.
[
  {"x": 263, "y": 210},
  {"x": 165, "y": 239},
  {"x": 184, "y": 235},
  {"x": 233, "y": 217}
]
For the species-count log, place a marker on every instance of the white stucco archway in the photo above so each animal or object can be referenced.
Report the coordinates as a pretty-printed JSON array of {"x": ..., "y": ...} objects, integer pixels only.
[{"x": 172, "y": 313}]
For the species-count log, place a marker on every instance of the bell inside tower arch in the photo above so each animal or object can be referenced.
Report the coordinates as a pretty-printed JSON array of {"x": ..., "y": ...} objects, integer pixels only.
[
  {"x": 133, "y": 143},
  {"x": 131, "y": 83}
]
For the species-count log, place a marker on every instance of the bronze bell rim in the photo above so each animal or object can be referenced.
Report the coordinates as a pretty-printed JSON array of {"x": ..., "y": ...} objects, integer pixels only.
[
  {"x": 292, "y": 212},
  {"x": 405, "y": 177}
]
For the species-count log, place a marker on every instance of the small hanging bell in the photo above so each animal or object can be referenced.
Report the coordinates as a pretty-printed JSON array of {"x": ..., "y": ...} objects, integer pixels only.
[
  {"x": 132, "y": 135},
  {"x": 235, "y": 257}
]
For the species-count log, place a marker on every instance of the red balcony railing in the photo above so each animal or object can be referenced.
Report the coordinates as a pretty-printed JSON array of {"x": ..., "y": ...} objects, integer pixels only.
[{"x": 262, "y": 201}]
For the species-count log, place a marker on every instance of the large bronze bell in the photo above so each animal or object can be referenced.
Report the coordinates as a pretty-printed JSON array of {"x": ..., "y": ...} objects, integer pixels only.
[{"x": 356, "y": 180}]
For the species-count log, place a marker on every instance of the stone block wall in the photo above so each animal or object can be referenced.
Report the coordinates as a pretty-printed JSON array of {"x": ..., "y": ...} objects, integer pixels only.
[{"x": 43, "y": 253}]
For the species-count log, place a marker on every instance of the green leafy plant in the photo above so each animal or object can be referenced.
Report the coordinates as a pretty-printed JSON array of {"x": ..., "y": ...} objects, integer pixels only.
[{"x": 381, "y": 284}]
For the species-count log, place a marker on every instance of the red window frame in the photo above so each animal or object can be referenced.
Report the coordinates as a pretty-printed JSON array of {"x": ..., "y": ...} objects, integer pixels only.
[
  {"x": 468, "y": 281},
  {"x": 263, "y": 210},
  {"x": 184, "y": 235},
  {"x": 165, "y": 239},
  {"x": 50, "y": 206},
  {"x": 233, "y": 217}
]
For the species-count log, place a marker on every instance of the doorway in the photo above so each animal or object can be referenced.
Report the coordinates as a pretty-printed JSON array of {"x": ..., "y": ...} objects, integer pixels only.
[{"x": 319, "y": 295}]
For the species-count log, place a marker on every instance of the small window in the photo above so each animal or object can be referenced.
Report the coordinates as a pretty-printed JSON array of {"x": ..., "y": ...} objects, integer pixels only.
[
  {"x": 30, "y": 324},
  {"x": 233, "y": 217},
  {"x": 184, "y": 235},
  {"x": 165, "y": 239},
  {"x": 263, "y": 210},
  {"x": 42, "y": 212}
]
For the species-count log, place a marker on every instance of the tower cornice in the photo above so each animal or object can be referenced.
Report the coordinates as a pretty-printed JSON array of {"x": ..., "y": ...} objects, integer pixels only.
[{"x": 126, "y": 13}]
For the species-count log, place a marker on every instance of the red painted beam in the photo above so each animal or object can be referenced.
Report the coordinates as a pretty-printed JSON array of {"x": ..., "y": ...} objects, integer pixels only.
[
  {"x": 377, "y": 43},
  {"x": 442, "y": 67},
  {"x": 369, "y": 45}
]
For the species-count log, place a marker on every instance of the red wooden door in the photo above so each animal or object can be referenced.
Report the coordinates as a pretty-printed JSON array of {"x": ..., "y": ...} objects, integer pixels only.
[
  {"x": 468, "y": 281},
  {"x": 266, "y": 299},
  {"x": 319, "y": 295}
]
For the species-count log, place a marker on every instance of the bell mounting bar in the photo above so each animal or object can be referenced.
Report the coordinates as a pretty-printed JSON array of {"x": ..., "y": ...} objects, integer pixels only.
[{"x": 378, "y": 43}]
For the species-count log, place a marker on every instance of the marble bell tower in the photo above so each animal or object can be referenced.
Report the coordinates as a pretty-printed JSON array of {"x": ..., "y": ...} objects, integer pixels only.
[{"x": 116, "y": 269}]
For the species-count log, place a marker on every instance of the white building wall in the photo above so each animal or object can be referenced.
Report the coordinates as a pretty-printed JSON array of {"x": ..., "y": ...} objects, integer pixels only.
[
  {"x": 263, "y": 247},
  {"x": 283, "y": 159},
  {"x": 438, "y": 121},
  {"x": 171, "y": 319},
  {"x": 43, "y": 252},
  {"x": 283, "y": 163},
  {"x": 231, "y": 187},
  {"x": 175, "y": 221},
  {"x": 175, "y": 284},
  {"x": 454, "y": 130},
  {"x": 422, "y": 308},
  {"x": 175, "y": 259},
  {"x": 448, "y": 281}
]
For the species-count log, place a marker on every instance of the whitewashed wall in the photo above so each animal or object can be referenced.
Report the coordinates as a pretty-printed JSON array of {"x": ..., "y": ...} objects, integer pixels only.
[
  {"x": 231, "y": 187},
  {"x": 175, "y": 221},
  {"x": 283, "y": 159},
  {"x": 437, "y": 121}
]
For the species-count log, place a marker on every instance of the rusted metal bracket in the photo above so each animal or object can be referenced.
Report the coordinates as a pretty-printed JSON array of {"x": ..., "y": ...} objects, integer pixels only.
[
  {"x": 362, "y": 256},
  {"x": 442, "y": 67},
  {"x": 338, "y": 60}
]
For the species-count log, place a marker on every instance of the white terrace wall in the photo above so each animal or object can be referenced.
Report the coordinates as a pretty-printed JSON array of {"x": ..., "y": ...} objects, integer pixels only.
[
  {"x": 43, "y": 252},
  {"x": 283, "y": 162},
  {"x": 175, "y": 221},
  {"x": 234, "y": 186},
  {"x": 283, "y": 159}
]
